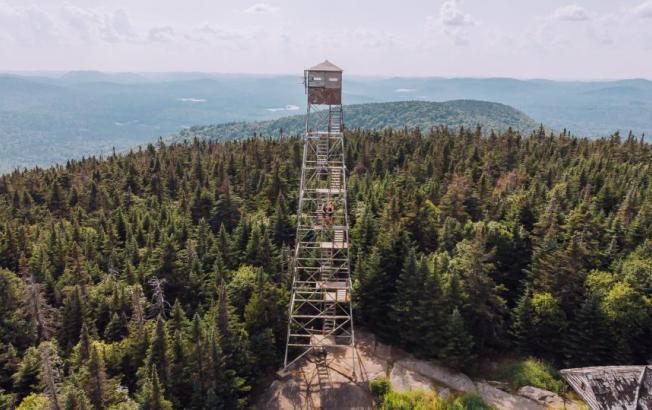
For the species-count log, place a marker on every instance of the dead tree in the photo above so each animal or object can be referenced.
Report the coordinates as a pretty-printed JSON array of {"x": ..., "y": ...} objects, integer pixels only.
[
  {"x": 50, "y": 373},
  {"x": 37, "y": 309},
  {"x": 159, "y": 304},
  {"x": 137, "y": 308}
]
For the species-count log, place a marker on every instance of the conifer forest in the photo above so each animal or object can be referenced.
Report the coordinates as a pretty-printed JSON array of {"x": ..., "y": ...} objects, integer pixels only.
[{"x": 159, "y": 278}]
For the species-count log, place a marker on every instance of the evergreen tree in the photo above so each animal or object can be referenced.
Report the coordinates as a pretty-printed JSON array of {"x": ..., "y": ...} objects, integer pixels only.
[
  {"x": 282, "y": 228},
  {"x": 409, "y": 289},
  {"x": 430, "y": 305},
  {"x": 152, "y": 394},
  {"x": 457, "y": 351},
  {"x": 589, "y": 341},
  {"x": 96, "y": 383},
  {"x": 159, "y": 355}
]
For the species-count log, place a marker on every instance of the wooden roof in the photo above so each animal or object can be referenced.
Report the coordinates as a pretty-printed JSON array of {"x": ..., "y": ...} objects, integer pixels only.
[
  {"x": 613, "y": 387},
  {"x": 325, "y": 66}
]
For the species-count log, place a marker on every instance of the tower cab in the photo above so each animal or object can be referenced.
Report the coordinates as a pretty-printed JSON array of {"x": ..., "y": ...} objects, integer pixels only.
[{"x": 324, "y": 84}]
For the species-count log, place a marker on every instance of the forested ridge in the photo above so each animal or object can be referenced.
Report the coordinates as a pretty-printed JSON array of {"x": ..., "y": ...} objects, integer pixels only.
[
  {"x": 397, "y": 114},
  {"x": 157, "y": 279}
]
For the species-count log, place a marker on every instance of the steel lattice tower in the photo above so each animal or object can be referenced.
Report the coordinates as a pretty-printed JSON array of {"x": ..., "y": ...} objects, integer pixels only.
[{"x": 320, "y": 315}]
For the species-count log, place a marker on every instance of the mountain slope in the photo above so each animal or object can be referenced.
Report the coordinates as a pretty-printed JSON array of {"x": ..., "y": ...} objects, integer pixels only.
[
  {"x": 48, "y": 118},
  {"x": 411, "y": 114}
]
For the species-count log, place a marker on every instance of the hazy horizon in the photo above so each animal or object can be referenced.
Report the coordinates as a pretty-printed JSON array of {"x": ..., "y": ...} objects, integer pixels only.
[{"x": 58, "y": 73}]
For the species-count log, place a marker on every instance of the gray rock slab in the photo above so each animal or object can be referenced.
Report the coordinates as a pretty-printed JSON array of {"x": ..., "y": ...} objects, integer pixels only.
[
  {"x": 547, "y": 398},
  {"x": 403, "y": 380},
  {"x": 506, "y": 401},
  {"x": 440, "y": 374}
]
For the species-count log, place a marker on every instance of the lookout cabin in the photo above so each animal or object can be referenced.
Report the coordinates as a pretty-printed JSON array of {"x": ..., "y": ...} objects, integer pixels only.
[{"x": 324, "y": 84}]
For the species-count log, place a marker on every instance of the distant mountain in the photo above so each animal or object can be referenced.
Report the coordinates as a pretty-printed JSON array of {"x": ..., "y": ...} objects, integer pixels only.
[
  {"x": 422, "y": 114},
  {"x": 49, "y": 117}
]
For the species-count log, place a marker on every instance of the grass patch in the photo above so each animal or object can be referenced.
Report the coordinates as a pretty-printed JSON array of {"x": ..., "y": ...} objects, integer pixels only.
[
  {"x": 379, "y": 388},
  {"x": 412, "y": 400},
  {"x": 387, "y": 399},
  {"x": 537, "y": 373},
  {"x": 469, "y": 401}
]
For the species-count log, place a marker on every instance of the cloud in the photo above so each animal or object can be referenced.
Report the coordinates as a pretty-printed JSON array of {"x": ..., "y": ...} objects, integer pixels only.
[
  {"x": 82, "y": 22},
  {"x": 116, "y": 27},
  {"x": 25, "y": 25},
  {"x": 121, "y": 24},
  {"x": 240, "y": 39},
  {"x": 572, "y": 12},
  {"x": 87, "y": 25},
  {"x": 164, "y": 34},
  {"x": 643, "y": 10},
  {"x": 451, "y": 15},
  {"x": 453, "y": 22},
  {"x": 370, "y": 38},
  {"x": 602, "y": 30},
  {"x": 261, "y": 8}
]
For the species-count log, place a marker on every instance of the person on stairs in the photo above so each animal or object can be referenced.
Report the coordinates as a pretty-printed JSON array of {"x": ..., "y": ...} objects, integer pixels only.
[{"x": 327, "y": 211}]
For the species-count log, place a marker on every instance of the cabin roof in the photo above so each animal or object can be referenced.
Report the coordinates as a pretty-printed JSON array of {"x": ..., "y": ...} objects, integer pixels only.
[
  {"x": 612, "y": 387},
  {"x": 325, "y": 66}
]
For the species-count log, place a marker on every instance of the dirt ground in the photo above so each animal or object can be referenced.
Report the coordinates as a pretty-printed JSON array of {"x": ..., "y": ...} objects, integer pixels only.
[{"x": 329, "y": 382}]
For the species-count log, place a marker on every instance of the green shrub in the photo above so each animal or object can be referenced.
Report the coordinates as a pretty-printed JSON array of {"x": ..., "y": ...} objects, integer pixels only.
[
  {"x": 413, "y": 400},
  {"x": 470, "y": 401},
  {"x": 534, "y": 372},
  {"x": 379, "y": 388},
  {"x": 428, "y": 400},
  {"x": 387, "y": 399}
]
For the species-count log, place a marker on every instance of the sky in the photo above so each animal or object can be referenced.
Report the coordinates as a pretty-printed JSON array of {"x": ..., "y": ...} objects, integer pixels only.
[{"x": 554, "y": 39}]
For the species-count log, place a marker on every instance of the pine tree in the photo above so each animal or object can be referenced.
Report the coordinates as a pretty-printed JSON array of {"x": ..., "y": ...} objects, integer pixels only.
[
  {"x": 225, "y": 212},
  {"x": 522, "y": 326},
  {"x": 483, "y": 306},
  {"x": 589, "y": 341},
  {"x": 259, "y": 317},
  {"x": 545, "y": 332},
  {"x": 159, "y": 354},
  {"x": 457, "y": 351},
  {"x": 282, "y": 227},
  {"x": 178, "y": 322},
  {"x": 96, "y": 383},
  {"x": 72, "y": 320},
  {"x": 380, "y": 282},
  {"x": 197, "y": 362},
  {"x": 116, "y": 329},
  {"x": 455, "y": 202},
  {"x": 84, "y": 345},
  {"x": 253, "y": 250},
  {"x": 430, "y": 305},
  {"x": 181, "y": 388},
  {"x": 152, "y": 394},
  {"x": 409, "y": 289}
]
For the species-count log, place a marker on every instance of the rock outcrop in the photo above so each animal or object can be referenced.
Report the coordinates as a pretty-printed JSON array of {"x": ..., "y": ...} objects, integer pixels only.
[
  {"x": 547, "y": 398},
  {"x": 329, "y": 383},
  {"x": 503, "y": 400}
]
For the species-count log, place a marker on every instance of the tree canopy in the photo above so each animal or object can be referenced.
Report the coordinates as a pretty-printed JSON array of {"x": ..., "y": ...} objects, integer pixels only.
[{"x": 159, "y": 278}]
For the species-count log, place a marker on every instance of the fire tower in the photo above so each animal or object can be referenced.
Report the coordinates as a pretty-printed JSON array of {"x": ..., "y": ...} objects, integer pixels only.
[{"x": 320, "y": 316}]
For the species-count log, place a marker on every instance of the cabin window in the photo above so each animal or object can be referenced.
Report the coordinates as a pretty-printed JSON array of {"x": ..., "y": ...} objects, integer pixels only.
[
  {"x": 316, "y": 78},
  {"x": 333, "y": 79}
]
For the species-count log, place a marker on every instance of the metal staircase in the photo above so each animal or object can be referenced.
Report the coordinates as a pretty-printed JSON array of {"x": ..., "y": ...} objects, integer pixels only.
[{"x": 335, "y": 119}]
